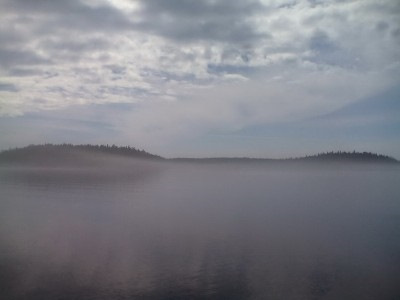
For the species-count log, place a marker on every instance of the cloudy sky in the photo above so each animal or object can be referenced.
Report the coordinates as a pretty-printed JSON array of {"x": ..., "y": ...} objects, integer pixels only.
[{"x": 272, "y": 78}]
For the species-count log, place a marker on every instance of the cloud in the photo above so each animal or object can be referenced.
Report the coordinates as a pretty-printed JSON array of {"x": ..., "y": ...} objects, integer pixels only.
[
  {"x": 221, "y": 21},
  {"x": 11, "y": 58},
  {"x": 49, "y": 16},
  {"x": 192, "y": 67},
  {"x": 8, "y": 87}
]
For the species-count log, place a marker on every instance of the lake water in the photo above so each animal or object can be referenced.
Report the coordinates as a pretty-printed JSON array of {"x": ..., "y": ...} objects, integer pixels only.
[{"x": 192, "y": 231}]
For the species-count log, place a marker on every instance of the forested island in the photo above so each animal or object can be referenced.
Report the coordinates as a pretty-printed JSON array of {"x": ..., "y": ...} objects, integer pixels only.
[
  {"x": 50, "y": 154},
  {"x": 69, "y": 154}
]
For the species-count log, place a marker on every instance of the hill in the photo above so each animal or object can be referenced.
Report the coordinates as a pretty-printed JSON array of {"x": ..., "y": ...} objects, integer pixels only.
[
  {"x": 68, "y": 154},
  {"x": 349, "y": 157}
]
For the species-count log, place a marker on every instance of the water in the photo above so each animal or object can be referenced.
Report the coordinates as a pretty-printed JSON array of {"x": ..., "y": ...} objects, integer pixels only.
[{"x": 182, "y": 231}]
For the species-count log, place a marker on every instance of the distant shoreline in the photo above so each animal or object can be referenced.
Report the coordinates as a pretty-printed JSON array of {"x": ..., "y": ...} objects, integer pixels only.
[{"x": 68, "y": 154}]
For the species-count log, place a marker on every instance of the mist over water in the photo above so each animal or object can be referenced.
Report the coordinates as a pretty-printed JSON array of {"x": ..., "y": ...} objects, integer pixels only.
[{"x": 156, "y": 230}]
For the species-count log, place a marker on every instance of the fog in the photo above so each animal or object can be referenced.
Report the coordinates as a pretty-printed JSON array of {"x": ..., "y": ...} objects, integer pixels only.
[{"x": 170, "y": 230}]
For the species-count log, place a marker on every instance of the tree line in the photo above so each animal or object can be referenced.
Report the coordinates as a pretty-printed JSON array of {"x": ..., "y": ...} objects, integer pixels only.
[
  {"x": 54, "y": 151},
  {"x": 349, "y": 156}
]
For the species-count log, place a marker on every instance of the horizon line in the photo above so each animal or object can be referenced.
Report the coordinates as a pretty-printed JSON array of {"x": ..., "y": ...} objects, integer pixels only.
[{"x": 354, "y": 152}]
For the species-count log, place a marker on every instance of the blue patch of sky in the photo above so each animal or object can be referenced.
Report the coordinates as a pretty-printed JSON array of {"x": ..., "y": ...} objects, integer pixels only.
[
  {"x": 374, "y": 121},
  {"x": 387, "y": 101},
  {"x": 56, "y": 129}
]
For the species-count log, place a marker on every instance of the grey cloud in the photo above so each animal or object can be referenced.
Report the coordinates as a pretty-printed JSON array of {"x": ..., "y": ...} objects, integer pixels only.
[
  {"x": 221, "y": 21},
  {"x": 116, "y": 69},
  {"x": 56, "y": 14},
  {"x": 76, "y": 45},
  {"x": 230, "y": 53},
  {"x": 171, "y": 76},
  {"x": 288, "y": 4},
  {"x": 382, "y": 26},
  {"x": 95, "y": 44},
  {"x": 41, "y": 6},
  {"x": 12, "y": 57},
  {"x": 80, "y": 92},
  {"x": 315, "y": 19},
  {"x": 67, "y": 49},
  {"x": 10, "y": 36},
  {"x": 327, "y": 51},
  {"x": 225, "y": 20},
  {"x": 324, "y": 2},
  {"x": 23, "y": 72},
  {"x": 396, "y": 33},
  {"x": 320, "y": 42},
  {"x": 8, "y": 87},
  {"x": 196, "y": 8},
  {"x": 232, "y": 69},
  {"x": 56, "y": 89},
  {"x": 123, "y": 91},
  {"x": 387, "y": 7}
]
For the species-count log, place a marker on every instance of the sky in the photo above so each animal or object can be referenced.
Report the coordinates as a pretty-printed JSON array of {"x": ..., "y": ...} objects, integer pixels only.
[{"x": 200, "y": 78}]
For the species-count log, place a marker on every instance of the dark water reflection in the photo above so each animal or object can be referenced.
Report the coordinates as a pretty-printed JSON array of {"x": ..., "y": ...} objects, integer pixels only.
[{"x": 163, "y": 231}]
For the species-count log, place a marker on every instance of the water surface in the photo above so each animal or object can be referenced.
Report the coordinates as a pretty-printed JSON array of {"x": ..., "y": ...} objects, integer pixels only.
[{"x": 212, "y": 231}]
